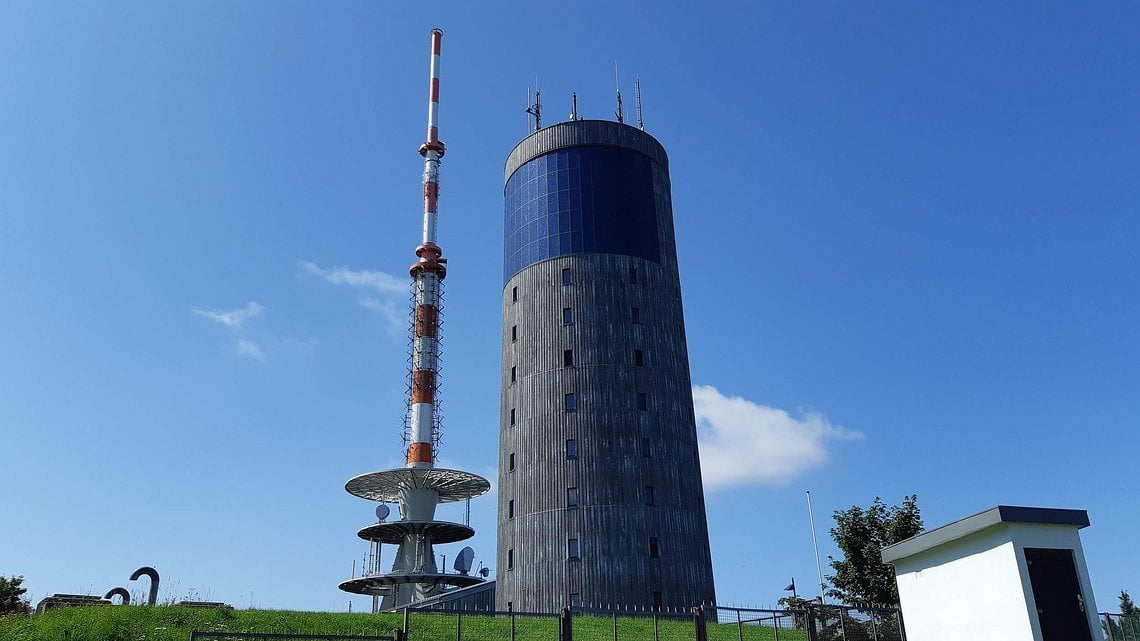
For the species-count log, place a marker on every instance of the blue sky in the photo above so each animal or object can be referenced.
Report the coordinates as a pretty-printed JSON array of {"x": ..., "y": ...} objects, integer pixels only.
[{"x": 907, "y": 235}]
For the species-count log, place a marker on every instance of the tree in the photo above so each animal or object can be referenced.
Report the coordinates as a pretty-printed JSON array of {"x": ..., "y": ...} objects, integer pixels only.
[
  {"x": 860, "y": 576},
  {"x": 1127, "y": 607},
  {"x": 12, "y": 600}
]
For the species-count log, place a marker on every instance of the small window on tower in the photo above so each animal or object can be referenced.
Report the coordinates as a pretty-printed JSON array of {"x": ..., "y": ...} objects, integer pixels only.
[
  {"x": 511, "y": 559},
  {"x": 571, "y": 448},
  {"x": 514, "y": 294},
  {"x": 567, "y": 316},
  {"x": 575, "y": 602},
  {"x": 573, "y": 552},
  {"x": 638, "y": 360},
  {"x": 566, "y": 277},
  {"x": 511, "y": 510},
  {"x": 647, "y": 495},
  {"x": 511, "y": 465},
  {"x": 635, "y": 315},
  {"x": 642, "y": 401},
  {"x": 654, "y": 550},
  {"x": 514, "y": 333},
  {"x": 656, "y": 600},
  {"x": 514, "y": 373},
  {"x": 512, "y": 416},
  {"x": 567, "y": 357},
  {"x": 645, "y": 451},
  {"x": 571, "y": 497},
  {"x": 569, "y": 404},
  {"x": 633, "y": 274}
]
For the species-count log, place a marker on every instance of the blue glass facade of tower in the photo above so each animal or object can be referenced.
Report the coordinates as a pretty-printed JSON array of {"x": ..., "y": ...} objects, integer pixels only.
[{"x": 583, "y": 199}]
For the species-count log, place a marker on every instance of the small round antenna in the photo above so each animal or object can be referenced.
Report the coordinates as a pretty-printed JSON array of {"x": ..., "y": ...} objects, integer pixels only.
[
  {"x": 464, "y": 560},
  {"x": 382, "y": 511}
]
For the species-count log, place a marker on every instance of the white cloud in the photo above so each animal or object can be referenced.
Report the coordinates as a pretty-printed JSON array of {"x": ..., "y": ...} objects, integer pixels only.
[
  {"x": 392, "y": 303},
  {"x": 396, "y": 317},
  {"x": 249, "y": 348},
  {"x": 379, "y": 281},
  {"x": 743, "y": 443},
  {"x": 233, "y": 319}
]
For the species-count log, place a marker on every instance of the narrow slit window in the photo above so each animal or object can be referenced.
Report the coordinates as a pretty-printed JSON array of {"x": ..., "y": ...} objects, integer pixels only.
[
  {"x": 514, "y": 333},
  {"x": 635, "y": 315},
  {"x": 645, "y": 450},
  {"x": 638, "y": 359},
  {"x": 567, "y": 316},
  {"x": 654, "y": 549},
  {"x": 575, "y": 602},
  {"x": 514, "y": 294},
  {"x": 511, "y": 465},
  {"x": 571, "y": 497},
  {"x": 567, "y": 278},
  {"x": 573, "y": 551},
  {"x": 633, "y": 274},
  {"x": 568, "y": 403},
  {"x": 647, "y": 495},
  {"x": 511, "y": 559},
  {"x": 567, "y": 357},
  {"x": 656, "y": 600},
  {"x": 512, "y": 416},
  {"x": 514, "y": 373},
  {"x": 571, "y": 448},
  {"x": 642, "y": 401},
  {"x": 511, "y": 509}
]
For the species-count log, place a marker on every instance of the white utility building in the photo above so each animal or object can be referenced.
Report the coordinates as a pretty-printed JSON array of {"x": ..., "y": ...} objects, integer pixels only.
[{"x": 1007, "y": 574}]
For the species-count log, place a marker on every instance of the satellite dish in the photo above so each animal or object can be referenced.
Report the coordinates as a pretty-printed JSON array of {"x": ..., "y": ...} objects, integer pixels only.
[
  {"x": 382, "y": 511},
  {"x": 463, "y": 561}
]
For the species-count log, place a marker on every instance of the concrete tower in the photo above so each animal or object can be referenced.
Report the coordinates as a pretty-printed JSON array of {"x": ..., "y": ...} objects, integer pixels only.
[{"x": 600, "y": 495}]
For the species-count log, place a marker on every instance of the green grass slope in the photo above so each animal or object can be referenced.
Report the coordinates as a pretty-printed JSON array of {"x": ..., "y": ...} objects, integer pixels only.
[{"x": 140, "y": 623}]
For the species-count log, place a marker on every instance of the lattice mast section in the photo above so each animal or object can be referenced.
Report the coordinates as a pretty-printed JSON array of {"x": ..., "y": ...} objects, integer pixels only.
[{"x": 427, "y": 274}]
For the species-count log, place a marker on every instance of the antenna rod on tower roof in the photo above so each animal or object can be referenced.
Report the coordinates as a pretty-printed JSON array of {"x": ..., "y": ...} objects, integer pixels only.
[
  {"x": 573, "y": 106},
  {"x": 536, "y": 109},
  {"x": 637, "y": 100},
  {"x": 617, "y": 85}
]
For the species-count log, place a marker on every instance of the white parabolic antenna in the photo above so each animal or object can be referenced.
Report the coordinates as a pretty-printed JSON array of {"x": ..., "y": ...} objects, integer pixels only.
[
  {"x": 382, "y": 511},
  {"x": 463, "y": 561}
]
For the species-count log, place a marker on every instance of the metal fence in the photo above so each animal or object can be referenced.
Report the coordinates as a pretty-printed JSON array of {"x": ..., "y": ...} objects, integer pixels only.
[
  {"x": 1120, "y": 627},
  {"x": 816, "y": 623},
  {"x": 200, "y": 634}
]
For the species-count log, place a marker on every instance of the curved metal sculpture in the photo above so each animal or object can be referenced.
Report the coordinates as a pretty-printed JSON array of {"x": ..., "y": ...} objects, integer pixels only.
[
  {"x": 152, "y": 598},
  {"x": 121, "y": 592}
]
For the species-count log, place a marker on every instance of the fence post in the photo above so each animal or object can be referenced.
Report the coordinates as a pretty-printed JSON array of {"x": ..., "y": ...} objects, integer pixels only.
[
  {"x": 776, "y": 626},
  {"x": 459, "y": 626},
  {"x": 565, "y": 626},
  {"x": 702, "y": 634},
  {"x": 874, "y": 629},
  {"x": 511, "y": 611},
  {"x": 399, "y": 635},
  {"x": 405, "y": 623},
  {"x": 842, "y": 626},
  {"x": 655, "y": 636},
  {"x": 899, "y": 620},
  {"x": 739, "y": 627},
  {"x": 809, "y": 620},
  {"x": 615, "y": 624}
]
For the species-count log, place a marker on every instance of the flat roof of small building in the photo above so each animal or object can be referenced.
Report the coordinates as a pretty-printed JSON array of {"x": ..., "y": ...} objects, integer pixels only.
[{"x": 980, "y": 521}]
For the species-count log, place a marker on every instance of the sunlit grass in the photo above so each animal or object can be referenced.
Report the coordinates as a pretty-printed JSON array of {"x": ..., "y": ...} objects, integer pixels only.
[{"x": 173, "y": 623}]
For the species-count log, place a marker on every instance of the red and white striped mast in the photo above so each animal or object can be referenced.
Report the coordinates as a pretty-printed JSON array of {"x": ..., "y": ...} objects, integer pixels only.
[{"x": 428, "y": 273}]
